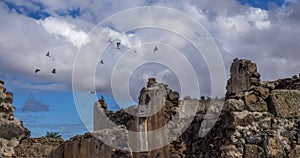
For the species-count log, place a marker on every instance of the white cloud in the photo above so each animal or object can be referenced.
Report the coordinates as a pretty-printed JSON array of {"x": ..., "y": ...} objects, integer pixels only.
[
  {"x": 268, "y": 37},
  {"x": 66, "y": 30}
]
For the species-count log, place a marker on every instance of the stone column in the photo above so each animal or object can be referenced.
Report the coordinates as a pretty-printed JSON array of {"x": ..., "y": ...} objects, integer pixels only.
[
  {"x": 243, "y": 75},
  {"x": 151, "y": 117}
]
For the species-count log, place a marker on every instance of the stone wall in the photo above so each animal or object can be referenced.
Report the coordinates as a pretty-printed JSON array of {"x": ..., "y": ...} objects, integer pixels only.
[
  {"x": 11, "y": 129},
  {"x": 40, "y": 147},
  {"x": 90, "y": 146},
  {"x": 259, "y": 119}
]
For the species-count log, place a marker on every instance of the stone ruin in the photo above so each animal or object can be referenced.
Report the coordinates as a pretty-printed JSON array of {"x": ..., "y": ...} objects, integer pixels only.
[
  {"x": 11, "y": 129},
  {"x": 14, "y": 137},
  {"x": 259, "y": 119},
  {"x": 243, "y": 76}
]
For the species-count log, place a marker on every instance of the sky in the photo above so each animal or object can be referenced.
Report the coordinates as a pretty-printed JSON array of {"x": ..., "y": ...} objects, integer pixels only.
[{"x": 264, "y": 31}]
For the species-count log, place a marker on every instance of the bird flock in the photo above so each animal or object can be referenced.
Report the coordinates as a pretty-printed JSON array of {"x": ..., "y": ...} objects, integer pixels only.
[
  {"x": 118, "y": 44},
  {"x": 101, "y": 62},
  {"x": 53, "y": 70}
]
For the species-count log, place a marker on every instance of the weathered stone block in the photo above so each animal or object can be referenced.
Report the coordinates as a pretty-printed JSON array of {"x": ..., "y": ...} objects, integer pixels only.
[
  {"x": 285, "y": 103},
  {"x": 234, "y": 105},
  {"x": 244, "y": 121},
  {"x": 173, "y": 96},
  {"x": 295, "y": 153},
  {"x": 259, "y": 106},
  {"x": 243, "y": 75},
  {"x": 13, "y": 129},
  {"x": 254, "y": 81},
  {"x": 275, "y": 148},
  {"x": 263, "y": 92},
  {"x": 90, "y": 145},
  {"x": 250, "y": 99},
  {"x": 40, "y": 147},
  {"x": 230, "y": 151},
  {"x": 252, "y": 151}
]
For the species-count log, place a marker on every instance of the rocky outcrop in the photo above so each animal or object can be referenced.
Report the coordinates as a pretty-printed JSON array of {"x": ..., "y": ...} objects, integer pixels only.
[{"x": 11, "y": 129}]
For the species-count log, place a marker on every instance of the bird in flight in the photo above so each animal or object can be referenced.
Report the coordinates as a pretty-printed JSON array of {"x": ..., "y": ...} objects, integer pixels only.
[
  {"x": 48, "y": 54},
  {"x": 92, "y": 92},
  {"x": 155, "y": 49},
  {"x": 118, "y": 45},
  {"x": 37, "y": 70},
  {"x": 102, "y": 62},
  {"x": 53, "y": 71}
]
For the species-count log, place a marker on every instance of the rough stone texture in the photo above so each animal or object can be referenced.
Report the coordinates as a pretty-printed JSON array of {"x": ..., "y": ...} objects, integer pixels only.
[
  {"x": 261, "y": 92},
  {"x": 260, "y": 120},
  {"x": 259, "y": 105},
  {"x": 152, "y": 116},
  {"x": 275, "y": 148},
  {"x": 285, "y": 103},
  {"x": 295, "y": 152},
  {"x": 121, "y": 117},
  {"x": 243, "y": 75},
  {"x": 287, "y": 83},
  {"x": 250, "y": 99},
  {"x": 91, "y": 146},
  {"x": 252, "y": 151},
  {"x": 11, "y": 129},
  {"x": 234, "y": 105},
  {"x": 247, "y": 127},
  {"x": 40, "y": 147},
  {"x": 230, "y": 151}
]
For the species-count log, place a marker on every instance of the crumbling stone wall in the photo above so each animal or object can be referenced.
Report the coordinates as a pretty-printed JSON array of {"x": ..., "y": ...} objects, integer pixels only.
[
  {"x": 243, "y": 75},
  {"x": 257, "y": 121},
  {"x": 89, "y": 145},
  {"x": 151, "y": 117},
  {"x": 11, "y": 129},
  {"x": 40, "y": 147},
  {"x": 261, "y": 120}
]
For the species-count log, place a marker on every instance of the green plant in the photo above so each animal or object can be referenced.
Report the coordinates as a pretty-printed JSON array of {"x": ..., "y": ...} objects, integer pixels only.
[{"x": 54, "y": 135}]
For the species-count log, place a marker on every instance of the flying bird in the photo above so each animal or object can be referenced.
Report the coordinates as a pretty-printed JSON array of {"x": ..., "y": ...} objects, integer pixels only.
[
  {"x": 53, "y": 71},
  {"x": 92, "y": 92},
  {"x": 37, "y": 70},
  {"x": 48, "y": 54},
  {"x": 118, "y": 45},
  {"x": 102, "y": 62},
  {"x": 155, "y": 49}
]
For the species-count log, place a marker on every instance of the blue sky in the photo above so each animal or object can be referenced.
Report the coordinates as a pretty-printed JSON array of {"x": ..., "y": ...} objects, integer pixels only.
[{"x": 265, "y": 31}]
